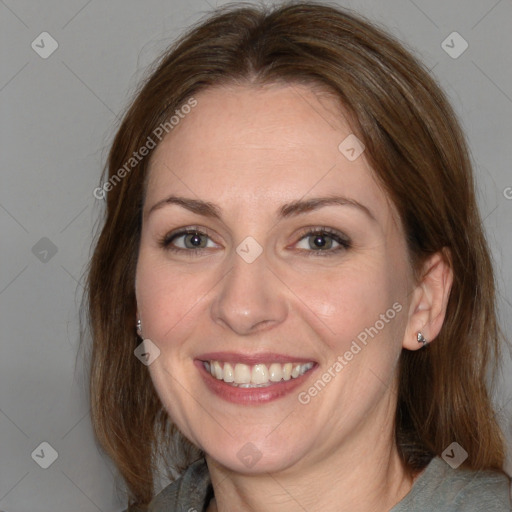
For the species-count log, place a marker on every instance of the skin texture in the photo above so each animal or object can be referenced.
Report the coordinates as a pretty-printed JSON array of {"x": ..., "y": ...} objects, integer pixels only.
[{"x": 249, "y": 150}]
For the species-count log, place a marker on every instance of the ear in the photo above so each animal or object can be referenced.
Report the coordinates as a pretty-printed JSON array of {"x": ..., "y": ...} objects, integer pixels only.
[{"x": 429, "y": 300}]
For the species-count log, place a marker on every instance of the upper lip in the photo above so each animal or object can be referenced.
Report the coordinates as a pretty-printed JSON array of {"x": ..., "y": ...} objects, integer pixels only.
[{"x": 252, "y": 359}]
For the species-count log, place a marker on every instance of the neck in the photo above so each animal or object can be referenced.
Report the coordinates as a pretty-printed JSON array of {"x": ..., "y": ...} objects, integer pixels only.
[{"x": 362, "y": 476}]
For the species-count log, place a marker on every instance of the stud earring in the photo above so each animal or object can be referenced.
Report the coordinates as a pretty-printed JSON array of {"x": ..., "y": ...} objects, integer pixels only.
[{"x": 422, "y": 339}]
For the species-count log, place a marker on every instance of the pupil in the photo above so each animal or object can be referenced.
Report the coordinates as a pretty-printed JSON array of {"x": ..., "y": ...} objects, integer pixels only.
[
  {"x": 320, "y": 241},
  {"x": 195, "y": 240}
]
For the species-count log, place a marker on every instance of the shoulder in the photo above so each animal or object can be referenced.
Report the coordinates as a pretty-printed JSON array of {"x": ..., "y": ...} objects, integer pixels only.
[
  {"x": 189, "y": 492},
  {"x": 443, "y": 489}
]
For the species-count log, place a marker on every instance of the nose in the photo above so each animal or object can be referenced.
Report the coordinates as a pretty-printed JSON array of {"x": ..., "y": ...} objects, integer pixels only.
[{"x": 250, "y": 298}]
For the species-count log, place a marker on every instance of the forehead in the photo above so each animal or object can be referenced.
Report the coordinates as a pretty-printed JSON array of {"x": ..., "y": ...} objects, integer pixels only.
[{"x": 262, "y": 145}]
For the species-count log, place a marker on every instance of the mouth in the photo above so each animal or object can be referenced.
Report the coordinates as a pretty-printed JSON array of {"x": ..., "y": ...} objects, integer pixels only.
[
  {"x": 253, "y": 380},
  {"x": 255, "y": 376}
]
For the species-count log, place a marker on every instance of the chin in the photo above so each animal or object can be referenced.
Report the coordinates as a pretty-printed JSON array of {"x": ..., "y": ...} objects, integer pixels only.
[{"x": 252, "y": 457}]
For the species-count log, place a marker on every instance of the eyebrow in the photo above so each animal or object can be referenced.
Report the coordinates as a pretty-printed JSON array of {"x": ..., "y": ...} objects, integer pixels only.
[{"x": 208, "y": 209}]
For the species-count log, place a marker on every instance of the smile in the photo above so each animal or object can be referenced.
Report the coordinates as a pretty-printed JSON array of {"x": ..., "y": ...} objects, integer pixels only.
[{"x": 255, "y": 376}]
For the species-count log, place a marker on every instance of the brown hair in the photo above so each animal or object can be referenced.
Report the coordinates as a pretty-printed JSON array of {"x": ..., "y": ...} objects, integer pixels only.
[{"x": 418, "y": 152}]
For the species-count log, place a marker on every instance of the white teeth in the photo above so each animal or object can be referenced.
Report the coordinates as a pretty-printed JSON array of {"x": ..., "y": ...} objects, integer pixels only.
[
  {"x": 287, "y": 371},
  {"x": 296, "y": 371},
  {"x": 219, "y": 374},
  {"x": 252, "y": 385},
  {"x": 258, "y": 375},
  {"x": 242, "y": 374},
  {"x": 275, "y": 371},
  {"x": 229, "y": 375}
]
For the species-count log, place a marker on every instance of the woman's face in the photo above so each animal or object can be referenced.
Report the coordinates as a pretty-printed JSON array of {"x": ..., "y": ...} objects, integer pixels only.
[{"x": 293, "y": 280}]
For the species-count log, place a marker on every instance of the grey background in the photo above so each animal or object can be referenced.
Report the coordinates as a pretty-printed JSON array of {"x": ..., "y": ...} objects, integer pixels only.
[{"x": 58, "y": 116}]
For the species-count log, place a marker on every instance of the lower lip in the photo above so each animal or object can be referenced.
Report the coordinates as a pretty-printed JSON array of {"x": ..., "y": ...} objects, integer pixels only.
[{"x": 250, "y": 396}]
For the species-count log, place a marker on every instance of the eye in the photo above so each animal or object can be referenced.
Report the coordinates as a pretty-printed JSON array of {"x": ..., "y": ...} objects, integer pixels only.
[
  {"x": 318, "y": 242},
  {"x": 323, "y": 240},
  {"x": 189, "y": 239}
]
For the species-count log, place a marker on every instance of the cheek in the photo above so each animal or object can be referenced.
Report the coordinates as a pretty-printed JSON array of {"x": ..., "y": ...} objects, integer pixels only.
[
  {"x": 345, "y": 301},
  {"x": 167, "y": 299}
]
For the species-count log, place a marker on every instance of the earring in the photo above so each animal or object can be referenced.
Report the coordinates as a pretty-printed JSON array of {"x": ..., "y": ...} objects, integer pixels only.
[
  {"x": 422, "y": 339},
  {"x": 139, "y": 326}
]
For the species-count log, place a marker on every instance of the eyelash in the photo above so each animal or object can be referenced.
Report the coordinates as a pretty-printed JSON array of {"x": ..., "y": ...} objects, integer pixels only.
[{"x": 343, "y": 241}]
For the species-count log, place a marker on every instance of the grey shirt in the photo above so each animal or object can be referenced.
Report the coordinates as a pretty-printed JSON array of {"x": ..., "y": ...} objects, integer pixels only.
[{"x": 438, "y": 489}]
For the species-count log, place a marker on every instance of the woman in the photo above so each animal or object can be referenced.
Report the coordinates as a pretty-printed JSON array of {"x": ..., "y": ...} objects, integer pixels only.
[{"x": 291, "y": 228}]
